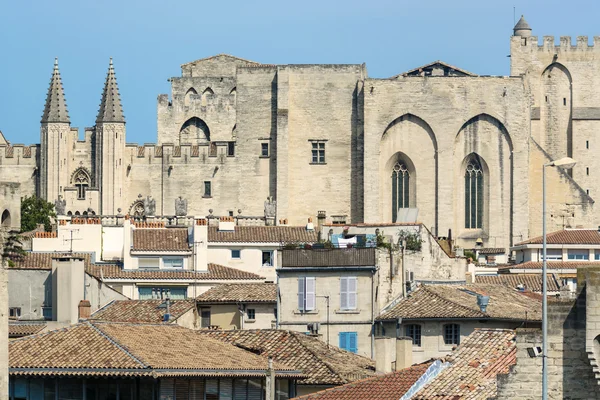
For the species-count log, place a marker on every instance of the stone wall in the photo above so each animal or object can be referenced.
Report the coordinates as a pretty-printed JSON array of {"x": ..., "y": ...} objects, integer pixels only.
[{"x": 570, "y": 374}]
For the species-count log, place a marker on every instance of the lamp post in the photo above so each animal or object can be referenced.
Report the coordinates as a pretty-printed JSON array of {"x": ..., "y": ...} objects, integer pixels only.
[{"x": 563, "y": 163}]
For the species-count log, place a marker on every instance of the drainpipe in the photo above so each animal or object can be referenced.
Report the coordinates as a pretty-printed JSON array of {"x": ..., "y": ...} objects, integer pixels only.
[
  {"x": 373, "y": 315},
  {"x": 277, "y": 305},
  {"x": 270, "y": 381}
]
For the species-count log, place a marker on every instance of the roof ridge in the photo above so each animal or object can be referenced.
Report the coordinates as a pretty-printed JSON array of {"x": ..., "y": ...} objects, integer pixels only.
[
  {"x": 118, "y": 345},
  {"x": 322, "y": 361}
]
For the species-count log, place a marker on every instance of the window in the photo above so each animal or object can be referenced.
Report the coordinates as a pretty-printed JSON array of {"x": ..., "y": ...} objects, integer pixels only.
[
  {"x": 348, "y": 341},
  {"x": 251, "y": 313},
  {"x": 174, "y": 262},
  {"x": 348, "y": 293},
  {"x": 597, "y": 254},
  {"x": 400, "y": 188},
  {"x": 587, "y": 144},
  {"x": 150, "y": 293},
  {"x": 14, "y": 312},
  {"x": 587, "y": 170},
  {"x": 149, "y": 263},
  {"x": 231, "y": 149},
  {"x": 414, "y": 331},
  {"x": 564, "y": 101},
  {"x": 205, "y": 317},
  {"x": 207, "y": 189},
  {"x": 236, "y": 253},
  {"x": 318, "y": 152},
  {"x": 306, "y": 294},
  {"x": 578, "y": 254},
  {"x": 264, "y": 149},
  {"x": 551, "y": 254},
  {"x": 81, "y": 180},
  {"x": 474, "y": 195},
  {"x": 452, "y": 334},
  {"x": 267, "y": 258}
]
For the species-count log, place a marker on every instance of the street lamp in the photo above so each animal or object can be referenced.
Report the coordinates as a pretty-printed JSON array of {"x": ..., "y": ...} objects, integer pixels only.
[{"x": 563, "y": 163}]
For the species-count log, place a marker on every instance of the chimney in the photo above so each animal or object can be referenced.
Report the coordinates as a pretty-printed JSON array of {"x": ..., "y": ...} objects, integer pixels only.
[
  {"x": 469, "y": 277},
  {"x": 68, "y": 287},
  {"x": 483, "y": 301},
  {"x": 85, "y": 309},
  {"x": 384, "y": 354},
  {"x": 226, "y": 224},
  {"x": 310, "y": 226},
  {"x": 403, "y": 352},
  {"x": 198, "y": 242},
  {"x": 322, "y": 216}
]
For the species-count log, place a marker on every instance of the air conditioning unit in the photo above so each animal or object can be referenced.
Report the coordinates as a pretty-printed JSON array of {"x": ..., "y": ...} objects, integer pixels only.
[{"x": 313, "y": 328}]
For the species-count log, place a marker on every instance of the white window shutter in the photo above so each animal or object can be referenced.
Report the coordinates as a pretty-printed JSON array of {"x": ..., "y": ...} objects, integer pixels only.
[
  {"x": 352, "y": 293},
  {"x": 310, "y": 293},
  {"x": 344, "y": 293},
  {"x": 301, "y": 286}
]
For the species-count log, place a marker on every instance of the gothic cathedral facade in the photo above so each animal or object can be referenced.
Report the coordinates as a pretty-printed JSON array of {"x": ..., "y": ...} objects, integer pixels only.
[{"x": 457, "y": 151}]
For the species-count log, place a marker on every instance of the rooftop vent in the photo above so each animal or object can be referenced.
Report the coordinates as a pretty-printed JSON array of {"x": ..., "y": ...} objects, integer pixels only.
[{"x": 482, "y": 302}]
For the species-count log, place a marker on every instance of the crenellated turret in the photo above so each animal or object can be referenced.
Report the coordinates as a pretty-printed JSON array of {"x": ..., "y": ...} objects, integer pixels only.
[
  {"x": 109, "y": 146},
  {"x": 55, "y": 139}
]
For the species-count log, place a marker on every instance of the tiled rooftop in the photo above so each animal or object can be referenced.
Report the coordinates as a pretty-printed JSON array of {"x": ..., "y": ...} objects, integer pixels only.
[
  {"x": 554, "y": 265},
  {"x": 162, "y": 239},
  {"x": 475, "y": 365},
  {"x": 141, "y": 311},
  {"x": 384, "y": 387},
  {"x": 567, "y": 236},
  {"x": 214, "y": 272},
  {"x": 43, "y": 260},
  {"x": 323, "y": 365},
  {"x": 492, "y": 250},
  {"x": 19, "y": 329},
  {"x": 263, "y": 234},
  {"x": 531, "y": 282},
  {"x": 240, "y": 292},
  {"x": 97, "y": 348},
  {"x": 460, "y": 301}
]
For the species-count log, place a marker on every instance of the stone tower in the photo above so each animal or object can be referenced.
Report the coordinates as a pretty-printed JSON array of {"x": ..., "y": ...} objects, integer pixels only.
[
  {"x": 55, "y": 130},
  {"x": 109, "y": 147}
]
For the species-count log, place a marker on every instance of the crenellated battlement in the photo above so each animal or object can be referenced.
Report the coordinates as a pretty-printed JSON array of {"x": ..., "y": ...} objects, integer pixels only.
[
  {"x": 565, "y": 43},
  {"x": 18, "y": 154},
  {"x": 150, "y": 153}
]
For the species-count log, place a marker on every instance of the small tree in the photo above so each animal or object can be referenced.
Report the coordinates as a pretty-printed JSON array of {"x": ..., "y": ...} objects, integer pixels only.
[
  {"x": 13, "y": 248},
  {"x": 412, "y": 240},
  {"x": 34, "y": 211}
]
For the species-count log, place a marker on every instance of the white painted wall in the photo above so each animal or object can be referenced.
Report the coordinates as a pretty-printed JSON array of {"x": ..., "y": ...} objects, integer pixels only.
[{"x": 250, "y": 257}]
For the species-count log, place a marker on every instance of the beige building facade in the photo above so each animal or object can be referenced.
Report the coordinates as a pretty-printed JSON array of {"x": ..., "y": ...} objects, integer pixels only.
[{"x": 463, "y": 151}]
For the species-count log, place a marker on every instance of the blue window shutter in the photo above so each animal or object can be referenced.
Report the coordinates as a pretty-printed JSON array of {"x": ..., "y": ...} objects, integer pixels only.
[
  {"x": 145, "y": 293},
  {"x": 343, "y": 340},
  {"x": 352, "y": 342}
]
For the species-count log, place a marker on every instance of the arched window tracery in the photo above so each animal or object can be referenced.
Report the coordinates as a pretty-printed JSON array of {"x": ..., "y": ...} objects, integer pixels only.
[
  {"x": 474, "y": 194},
  {"x": 81, "y": 180},
  {"x": 400, "y": 188}
]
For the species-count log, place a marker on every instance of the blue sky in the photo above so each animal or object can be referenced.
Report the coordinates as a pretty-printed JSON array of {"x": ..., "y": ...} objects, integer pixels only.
[{"x": 150, "y": 39}]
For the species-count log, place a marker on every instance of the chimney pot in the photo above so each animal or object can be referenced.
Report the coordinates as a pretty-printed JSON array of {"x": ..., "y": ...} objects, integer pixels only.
[
  {"x": 482, "y": 302},
  {"x": 85, "y": 309}
]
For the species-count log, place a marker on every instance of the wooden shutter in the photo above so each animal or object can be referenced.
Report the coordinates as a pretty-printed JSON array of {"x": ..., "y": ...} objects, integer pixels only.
[
  {"x": 301, "y": 287},
  {"x": 225, "y": 389},
  {"x": 182, "y": 389},
  {"x": 352, "y": 283},
  {"x": 343, "y": 340},
  {"x": 310, "y": 294},
  {"x": 352, "y": 342},
  {"x": 167, "y": 391},
  {"x": 344, "y": 293}
]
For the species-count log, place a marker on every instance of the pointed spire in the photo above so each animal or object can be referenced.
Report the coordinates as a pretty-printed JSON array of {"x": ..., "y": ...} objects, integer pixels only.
[
  {"x": 522, "y": 28},
  {"x": 55, "y": 109},
  {"x": 110, "y": 105}
]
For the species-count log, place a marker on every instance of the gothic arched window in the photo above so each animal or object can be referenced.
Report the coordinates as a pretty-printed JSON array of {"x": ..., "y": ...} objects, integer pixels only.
[
  {"x": 81, "y": 180},
  {"x": 474, "y": 195},
  {"x": 400, "y": 188},
  {"x": 194, "y": 130}
]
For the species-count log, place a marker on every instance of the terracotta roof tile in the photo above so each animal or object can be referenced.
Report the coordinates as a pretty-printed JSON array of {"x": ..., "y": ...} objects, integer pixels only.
[
  {"x": 323, "y": 365},
  {"x": 385, "y": 387},
  {"x": 531, "y": 282},
  {"x": 554, "y": 265},
  {"x": 42, "y": 260},
  {"x": 492, "y": 250},
  {"x": 214, "y": 272},
  {"x": 145, "y": 311},
  {"x": 95, "y": 347},
  {"x": 20, "y": 329},
  {"x": 240, "y": 292},
  {"x": 359, "y": 257},
  {"x": 460, "y": 301},
  {"x": 263, "y": 234},
  {"x": 474, "y": 367},
  {"x": 162, "y": 239},
  {"x": 567, "y": 236}
]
